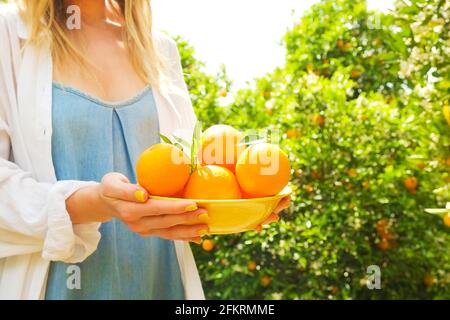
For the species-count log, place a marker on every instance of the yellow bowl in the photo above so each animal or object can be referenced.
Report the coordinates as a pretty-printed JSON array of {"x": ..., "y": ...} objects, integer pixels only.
[{"x": 238, "y": 215}]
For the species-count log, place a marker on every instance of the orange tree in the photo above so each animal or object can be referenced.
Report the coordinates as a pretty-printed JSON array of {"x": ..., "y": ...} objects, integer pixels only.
[{"x": 361, "y": 118}]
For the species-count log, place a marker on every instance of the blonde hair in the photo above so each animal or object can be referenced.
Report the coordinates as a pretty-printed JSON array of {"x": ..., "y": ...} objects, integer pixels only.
[{"x": 46, "y": 20}]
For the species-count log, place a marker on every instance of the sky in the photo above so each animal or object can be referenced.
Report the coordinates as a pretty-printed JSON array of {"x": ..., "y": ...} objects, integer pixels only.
[{"x": 244, "y": 35}]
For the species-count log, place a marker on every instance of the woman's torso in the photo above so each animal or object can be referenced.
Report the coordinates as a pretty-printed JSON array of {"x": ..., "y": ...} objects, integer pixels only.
[{"x": 91, "y": 138}]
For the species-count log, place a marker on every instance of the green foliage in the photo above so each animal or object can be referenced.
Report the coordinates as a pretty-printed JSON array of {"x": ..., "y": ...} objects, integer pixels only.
[{"x": 353, "y": 138}]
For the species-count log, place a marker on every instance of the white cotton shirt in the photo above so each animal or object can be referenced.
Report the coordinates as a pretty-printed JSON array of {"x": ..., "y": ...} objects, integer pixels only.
[{"x": 35, "y": 227}]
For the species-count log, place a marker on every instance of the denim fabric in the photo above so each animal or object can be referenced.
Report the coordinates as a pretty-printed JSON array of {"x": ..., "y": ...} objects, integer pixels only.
[{"x": 91, "y": 138}]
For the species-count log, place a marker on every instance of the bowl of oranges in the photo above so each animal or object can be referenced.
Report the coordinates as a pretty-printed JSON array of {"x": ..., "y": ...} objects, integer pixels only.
[{"x": 239, "y": 183}]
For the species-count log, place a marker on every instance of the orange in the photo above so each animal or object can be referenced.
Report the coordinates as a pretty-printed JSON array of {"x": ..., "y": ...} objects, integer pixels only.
[
  {"x": 381, "y": 226},
  {"x": 220, "y": 146},
  {"x": 292, "y": 133},
  {"x": 263, "y": 170},
  {"x": 251, "y": 265},
  {"x": 265, "y": 280},
  {"x": 429, "y": 280},
  {"x": 447, "y": 219},
  {"x": 410, "y": 183},
  {"x": 384, "y": 244},
  {"x": 208, "y": 245},
  {"x": 163, "y": 170},
  {"x": 366, "y": 184},
  {"x": 421, "y": 165},
  {"x": 352, "y": 172},
  {"x": 212, "y": 183},
  {"x": 309, "y": 188},
  {"x": 319, "y": 120},
  {"x": 355, "y": 73}
]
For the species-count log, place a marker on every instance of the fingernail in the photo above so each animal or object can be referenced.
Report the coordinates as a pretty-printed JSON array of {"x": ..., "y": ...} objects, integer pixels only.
[
  {"x": 203, "y": 217},
  {"x": 202, "y": 232},
  {"x": 191, "y": 207},
  {"x": 196, "y": 241},
  {"x": 139, "y": 195},
  {"x": 258, "y": 228}
]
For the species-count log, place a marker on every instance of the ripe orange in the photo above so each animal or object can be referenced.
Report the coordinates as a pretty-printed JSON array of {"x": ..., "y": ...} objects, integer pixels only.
[
  {"x": 429, "y": 280},
  {"x": 315, "y": 174},
  {"x": 410, "y": 183},
  {"x": 220, "y": 146},
  {"x": 319, "y": 120},
  {"x": 293, "y": 133},
  {"x": 163, "y": 170},
  {"x": 381, "y": 226},
  {"x": 309, "y": 188},
  {"x": 384, "y": 244},
  {"x": 212, "y": 182},
  {"x": 447, "y": 219},
  {"x": 448, "y": 161},
  {"x": 355, "y": 73},
  {"x": 263, "y": 170},
  {"x": 265, "y": 280},
  {"x": 421, "y": 165},
  {"x": 251, "y": 265},
  {"x": 366, "y": 184},
  {"x": 208, "y": 245},
  {"x": 352, "y": 172}
]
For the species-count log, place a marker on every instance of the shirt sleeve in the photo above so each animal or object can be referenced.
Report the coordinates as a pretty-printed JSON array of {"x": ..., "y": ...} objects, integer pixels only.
[{"x": 33, "y": 215}]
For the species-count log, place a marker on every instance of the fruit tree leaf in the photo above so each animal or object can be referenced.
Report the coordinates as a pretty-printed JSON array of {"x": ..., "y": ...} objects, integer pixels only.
[{"x": 165, "y": 139}]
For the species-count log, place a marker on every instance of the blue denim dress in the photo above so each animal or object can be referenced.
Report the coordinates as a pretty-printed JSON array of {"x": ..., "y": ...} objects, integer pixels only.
[{"x": 91, "y": 138}]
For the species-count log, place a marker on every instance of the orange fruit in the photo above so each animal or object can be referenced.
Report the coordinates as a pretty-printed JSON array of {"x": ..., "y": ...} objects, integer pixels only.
[
  {"x": 448, "y": 161},
  {"x": 355, "y": 73},
  {"x": 315, "y": 174},
  {"x": 265, "y": 280},
  {"x": 352, "y": 172},
  {"x": 208, "y": 245},
  {"x": 263, "y": 170},
  {"x": 251, "y": 265},
  {"x": 212, "y": 183},
  {"x": 384, "y": 244},
  {"x": 410, "y": 183},
  {"x": 340, "y": 43},
  {"x": 429, "y": 280},
  {"x": 292, "y": 133},
  {"x": 220, "y": 146},
  {"x": 447, "y": 219},
  {"x": 421, "y": 165},
  {"x": 163, "y": 170},
  {"x": 381, "y": 226},
  {"x": 319, "y": 120},
  {"x": 366, "y": 184},
  {"x": 309, "y": 188}
]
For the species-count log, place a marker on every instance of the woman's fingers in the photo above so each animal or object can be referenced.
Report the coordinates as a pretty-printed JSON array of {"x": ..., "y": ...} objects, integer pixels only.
[
  {"x": 132, "y": 212},
  {"x": 178, "y": 232},
  {"x": 144, "y": 224},
  {"x": 117, "y": 186}
]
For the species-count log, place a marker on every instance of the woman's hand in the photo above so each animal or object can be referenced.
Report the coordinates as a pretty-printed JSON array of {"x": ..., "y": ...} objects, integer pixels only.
[
  {"x": 284, "y": 204},
  {"x": 116, "y": 197}
]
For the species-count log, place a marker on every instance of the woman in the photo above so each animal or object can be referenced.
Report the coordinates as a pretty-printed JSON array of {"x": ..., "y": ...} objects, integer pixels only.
[{"x": 77, "y": 107}]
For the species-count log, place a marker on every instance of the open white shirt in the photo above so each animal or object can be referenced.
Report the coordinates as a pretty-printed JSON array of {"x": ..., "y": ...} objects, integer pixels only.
[{"x": 35, "y": 227}]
